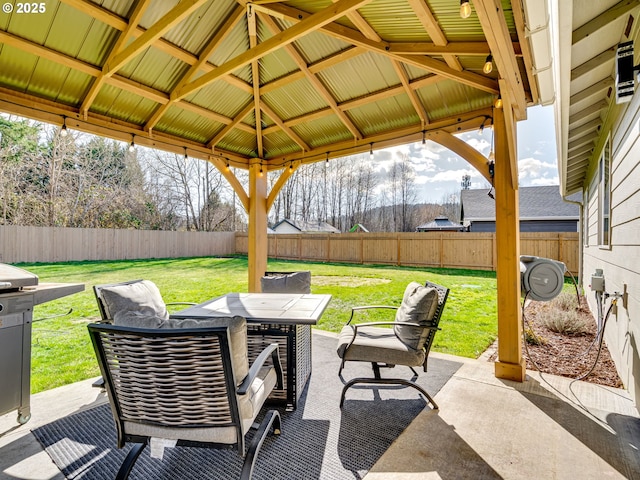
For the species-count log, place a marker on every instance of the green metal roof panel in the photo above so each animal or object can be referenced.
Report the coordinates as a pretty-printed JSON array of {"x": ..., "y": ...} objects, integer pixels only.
[
  {"x": 278, "y": 143},
  {"x": 187, "y": 124},
  {"x": 438, "y": 99},
  {"x": 119, "y": 7},
  {"x": 222, "y": 98},
  {"x": 113, "y": 102},
  {"x": 362, "y": 75},
  {"x": 391, "y": 113},
  {"x": 394, "y": 21},
  {"x": 323, "y": 131},
  {"x": 240, "y": 142},
  {"x": 297, "y": 99},
  {"x": 155, "y": 69},
  {"x": 17, "y": 67}
]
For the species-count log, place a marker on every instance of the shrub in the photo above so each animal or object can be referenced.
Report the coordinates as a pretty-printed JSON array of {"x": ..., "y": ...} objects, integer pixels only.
[
  {"x": 565, "y": 301},
  {"x": 568, "y": 322}
]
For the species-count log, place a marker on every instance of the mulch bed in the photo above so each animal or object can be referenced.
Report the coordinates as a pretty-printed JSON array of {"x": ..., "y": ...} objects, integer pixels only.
[
  {"x": 566, "y": 355},
  {"x": 569, "y": 355}
]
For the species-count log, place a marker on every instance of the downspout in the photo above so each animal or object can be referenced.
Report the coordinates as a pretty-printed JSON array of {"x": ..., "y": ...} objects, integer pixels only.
[{"x": 580, "y": 239}]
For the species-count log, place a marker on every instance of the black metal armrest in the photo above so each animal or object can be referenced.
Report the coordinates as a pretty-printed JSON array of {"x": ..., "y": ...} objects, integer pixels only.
[
  {"x": 258, "y": 364},
  {"x": 368, "y": 307}
]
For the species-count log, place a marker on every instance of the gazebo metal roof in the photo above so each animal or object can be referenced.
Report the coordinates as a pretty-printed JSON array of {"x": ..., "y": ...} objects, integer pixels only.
[{"x": 294, "y": 81}]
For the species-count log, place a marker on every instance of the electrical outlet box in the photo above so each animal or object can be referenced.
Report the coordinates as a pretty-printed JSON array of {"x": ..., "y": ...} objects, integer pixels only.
[{"x": 597, "y": 283}]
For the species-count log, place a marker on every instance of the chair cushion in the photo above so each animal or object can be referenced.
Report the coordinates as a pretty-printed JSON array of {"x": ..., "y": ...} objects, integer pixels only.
[
  {"x": 419, "y": 304},
  {"x": 237, "y": 333},
  {"x": 294, "y": 282},
  {"x": 374, "y": 344},
  {"x": 142, "y": 296}
]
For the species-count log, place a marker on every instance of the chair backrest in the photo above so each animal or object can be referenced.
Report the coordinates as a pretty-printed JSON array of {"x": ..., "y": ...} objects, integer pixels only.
[
  {"x": 170, "y": 383},
  {"x": 286, "y": 282},
  {"x": 443, "y": 293},
  {"x": 134, "y": 295}
]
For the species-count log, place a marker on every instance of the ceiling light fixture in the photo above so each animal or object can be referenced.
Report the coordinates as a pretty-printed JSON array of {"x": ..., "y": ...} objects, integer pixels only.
[
  {"x": 488, "y": 65},
  {"x": 465, "y": 9}
]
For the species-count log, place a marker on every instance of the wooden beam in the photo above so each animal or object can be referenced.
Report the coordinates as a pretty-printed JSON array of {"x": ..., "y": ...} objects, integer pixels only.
[
  {"x": 226, "y": 172},
  {"x": 317, "y": 84},
  {"x": 278, "y": 121},
  {"x": 430, "y": 24},
  {"x": 282, "y": 180},
  {"x": 136, "y": 15},
  {"x": 608, "y": 56},
  {"x": 257, "y": 235},
  {"x": 166, "y": 23},
  {"x": 510, "y": 125},
  {"x": 611, "y": 14},
  {"x": 231, "y": 21},
  {"x": 237, "y": 121},
  {"x": 356, "y": 38},
  {"x": 310, "y": 24},
  {"x": 255, "y": 76},
  {"x": 467, "y": 49},
  {"x": 511, "y": 364},
  {"x": 462, "y": 148},
  {"x": 492, "y": 18},
  {"x": 523, "y": 48}
]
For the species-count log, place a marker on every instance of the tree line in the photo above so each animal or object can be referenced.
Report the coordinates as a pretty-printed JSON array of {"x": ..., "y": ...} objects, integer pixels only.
[{"x": 54, "y": 177}]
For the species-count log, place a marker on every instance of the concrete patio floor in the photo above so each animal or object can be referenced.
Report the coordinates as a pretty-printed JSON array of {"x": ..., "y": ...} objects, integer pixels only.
[{"x": 546, "y": 428}]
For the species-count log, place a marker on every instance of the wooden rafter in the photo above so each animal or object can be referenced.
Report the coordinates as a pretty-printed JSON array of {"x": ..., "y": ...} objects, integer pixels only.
[
  {"x": 206, "y": 52},
  {"x": 109, "y": 18},
  {"x": 136, "y": 15},
  {"x": 430, "y": 24},
  {"x": 491, "y": 16},
  {"x": 315, "y": 81},
  {"x": 278, "y": 121},
  {"x": 469, "y": 49},
  {"x": 304, "y": 27},
  {"x": 609, "y": 15},
  {"x": 255, "y": 76},
  {"x": 356, "y": 38},
  {"x": 237, "y": 121}
]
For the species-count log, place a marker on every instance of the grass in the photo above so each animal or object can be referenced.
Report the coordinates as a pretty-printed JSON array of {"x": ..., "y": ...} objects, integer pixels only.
[{"x": 62, "y": 352}]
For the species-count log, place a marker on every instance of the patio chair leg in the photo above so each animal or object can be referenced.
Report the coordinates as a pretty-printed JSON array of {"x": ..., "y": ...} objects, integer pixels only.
[
  {"x": 271, "y": 419},
  {"x": 129, "y": 461},
  {"x": 388, "y": 381}
]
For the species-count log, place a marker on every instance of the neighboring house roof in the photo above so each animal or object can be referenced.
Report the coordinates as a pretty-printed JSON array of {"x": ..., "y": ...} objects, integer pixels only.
[
  {"x": 440, "y": 223},
  {"x": 307, "y": 227},
  {"x": 536, "y": 203}
]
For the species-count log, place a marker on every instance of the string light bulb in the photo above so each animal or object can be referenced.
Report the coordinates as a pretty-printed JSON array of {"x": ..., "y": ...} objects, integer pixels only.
[
  {"x": 132, "y": 146},
  {"x": 63, "y": 131},
  {"x": 260, "y": 173},
  {"x": 488, "y": 65},
  {"x": 291, "y": 167},
  {"x": 186, "y": 156},
  {"x": 498, "y": 103},
  {"x": 465, "y": 9},
  {"x": 424, "y": 139},
  {"x": 327, "y": 159},
  {"x": 371, "y": 151},
  {"x": 226, "y": 167}
]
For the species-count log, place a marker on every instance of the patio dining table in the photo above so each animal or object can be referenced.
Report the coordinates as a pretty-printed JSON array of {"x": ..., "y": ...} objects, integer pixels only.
[{"x": 283, "y": 318}]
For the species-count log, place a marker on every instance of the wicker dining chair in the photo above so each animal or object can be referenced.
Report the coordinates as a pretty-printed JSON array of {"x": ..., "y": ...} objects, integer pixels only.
[
  {"x": 408, "y": 343},
  {"x": 188, "y": 381}
]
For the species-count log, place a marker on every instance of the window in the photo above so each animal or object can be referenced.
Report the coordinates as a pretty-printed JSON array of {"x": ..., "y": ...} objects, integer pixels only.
[{"x": 605, "y": 194}]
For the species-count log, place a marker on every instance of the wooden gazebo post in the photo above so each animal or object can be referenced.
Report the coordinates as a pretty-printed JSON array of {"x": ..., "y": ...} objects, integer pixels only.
[
  {"x": 258, "y": 246},
  {"x": 510, "y": 364}
]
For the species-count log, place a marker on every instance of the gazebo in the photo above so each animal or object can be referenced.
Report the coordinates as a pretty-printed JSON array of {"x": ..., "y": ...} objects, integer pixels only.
[{"x": 269, "y": 86}]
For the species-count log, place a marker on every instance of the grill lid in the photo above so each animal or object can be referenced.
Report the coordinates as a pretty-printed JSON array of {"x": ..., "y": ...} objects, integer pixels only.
[{"x": 14, "y": 278}]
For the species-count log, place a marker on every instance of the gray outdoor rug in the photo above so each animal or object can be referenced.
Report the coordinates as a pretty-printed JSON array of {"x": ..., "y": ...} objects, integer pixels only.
[{"x": 318, "y": 440}]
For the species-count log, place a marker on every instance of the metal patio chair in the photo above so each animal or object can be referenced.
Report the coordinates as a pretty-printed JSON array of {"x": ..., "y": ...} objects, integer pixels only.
[
  {"x": 408, "y": 343},
  {"x": 187, "y": 382}
]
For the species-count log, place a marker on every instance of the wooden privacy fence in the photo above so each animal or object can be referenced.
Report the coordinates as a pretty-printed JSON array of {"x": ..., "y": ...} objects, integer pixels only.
[
  {"x": 428, "y": 249},
  {"x": 51, "y": 244}
]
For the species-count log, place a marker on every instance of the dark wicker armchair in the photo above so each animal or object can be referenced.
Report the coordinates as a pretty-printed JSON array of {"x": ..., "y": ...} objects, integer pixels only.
[
  {"x": 408, "y": 343},
  {"x": 189, "y": 385}
]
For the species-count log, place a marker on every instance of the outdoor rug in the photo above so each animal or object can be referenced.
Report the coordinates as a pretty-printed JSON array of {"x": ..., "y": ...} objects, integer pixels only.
[{"x": 318, "y": 440}]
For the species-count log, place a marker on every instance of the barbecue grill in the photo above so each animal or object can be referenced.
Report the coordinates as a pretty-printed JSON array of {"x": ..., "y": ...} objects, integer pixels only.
[{"x": 20, "y": 291}]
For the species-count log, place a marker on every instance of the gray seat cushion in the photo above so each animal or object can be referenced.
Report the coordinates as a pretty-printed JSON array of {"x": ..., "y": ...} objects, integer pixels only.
[
  {"x": 237, "y": 333},
  {"x": 374, "y": 344},
  {"x": 142, "y": 296},
  {"x": 294, "y": 282},
  {"x": 419, "y": 304}
]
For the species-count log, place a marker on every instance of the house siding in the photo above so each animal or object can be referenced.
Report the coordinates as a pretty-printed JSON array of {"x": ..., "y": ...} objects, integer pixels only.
[
  {"x": 620, "y": 261},
  {"x": 530, "y": 226}
]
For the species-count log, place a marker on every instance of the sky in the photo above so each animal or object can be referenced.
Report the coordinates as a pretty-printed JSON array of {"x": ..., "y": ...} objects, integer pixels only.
[{"x": 439, "y": 171}]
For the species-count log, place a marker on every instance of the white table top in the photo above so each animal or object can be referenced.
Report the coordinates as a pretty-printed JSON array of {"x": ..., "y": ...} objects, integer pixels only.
[{"x": 284, "y": 308}]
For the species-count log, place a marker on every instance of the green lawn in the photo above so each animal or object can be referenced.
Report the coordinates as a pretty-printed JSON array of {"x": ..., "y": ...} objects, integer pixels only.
[{"x": 62, "y": 352}]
